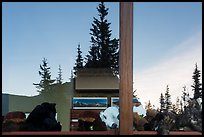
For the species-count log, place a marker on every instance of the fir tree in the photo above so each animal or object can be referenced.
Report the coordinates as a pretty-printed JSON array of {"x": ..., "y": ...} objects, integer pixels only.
[
  {"x": 178, "y": 110},
  {"x": 72, "y": 75},
  {"x": 174, "y": 109},
  {"x": 148, "y": 106},
  {"x": 79, "y": 60},
  {"x": 92, "y": 59},
  {"x": 46, "y": 80},
  {"x": 104, "y": 52},
  {"x": 59, "y": 78},
  {"x": 181, "y": 106},
  {"x": 185, "y": 96},
  {"x": 196, "y": 85},
  {"x": 162, "y": 103},
  {"x": 168, "y": 99}
]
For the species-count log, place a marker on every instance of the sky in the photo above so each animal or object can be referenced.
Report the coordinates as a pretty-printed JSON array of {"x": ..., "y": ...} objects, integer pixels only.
[{"x": 167, "y": 42}]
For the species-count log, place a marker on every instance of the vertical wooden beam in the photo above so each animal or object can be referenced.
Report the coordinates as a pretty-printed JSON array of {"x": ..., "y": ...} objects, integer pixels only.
[{"x": 126, "y": 68}]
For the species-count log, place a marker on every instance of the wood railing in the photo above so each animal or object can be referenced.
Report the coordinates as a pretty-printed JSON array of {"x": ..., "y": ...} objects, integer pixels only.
[{"x": 110, "y": 132}]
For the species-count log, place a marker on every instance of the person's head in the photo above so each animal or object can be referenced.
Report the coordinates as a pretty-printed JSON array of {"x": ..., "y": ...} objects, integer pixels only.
[
  {"x": 116, "y": 102},
  {"x": 136, "y": 102}
]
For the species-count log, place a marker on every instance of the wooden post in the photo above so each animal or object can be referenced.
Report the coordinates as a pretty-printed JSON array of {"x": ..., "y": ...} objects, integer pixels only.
[{"x": 126, "y": 68}]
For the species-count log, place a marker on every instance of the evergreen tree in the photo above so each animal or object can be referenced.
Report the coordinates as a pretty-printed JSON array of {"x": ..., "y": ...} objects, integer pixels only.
[
  {"x": 104, "y": 52},
  {"x": 184, "y": 97},
  {"x": 45, "y": 74},
  {"x": 134, "y": 93},
  {"x": 174, "y": 109},
  {"x": 115, "y": 56},
  {"x": 162, "y": 103},
  {"x": 181, "y": 106},
  {"x": 59, "y": 78},
  {"x": 79, "y": 60},
  {"x": 197, "y": 85},
  {"x": 72, "y": 75},
  {"x": 178, "y": 110},
  {"x": 168, "y": 99},
  {"x": 92, "y": 58},
  {"x": 148, "y": 106}
]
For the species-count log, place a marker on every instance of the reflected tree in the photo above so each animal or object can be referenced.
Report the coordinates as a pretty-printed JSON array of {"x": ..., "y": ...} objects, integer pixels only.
[
  {"x": 46, "y": 81},
  {"x": 104, "y": 52},
  {"x": 196, "y": 85},
  {"x": 59, "y": 78}
]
